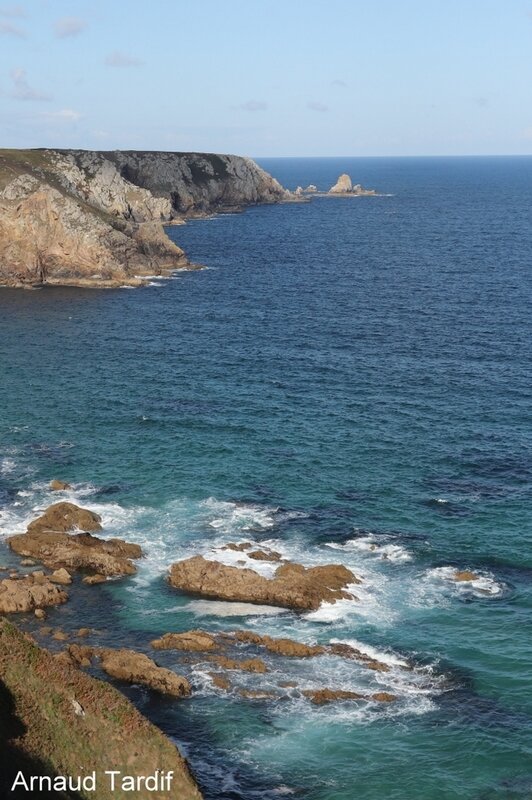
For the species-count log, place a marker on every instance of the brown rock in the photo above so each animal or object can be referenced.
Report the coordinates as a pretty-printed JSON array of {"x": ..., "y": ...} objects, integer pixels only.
[
  {"x": 248, "y": 665},
  {"x": 195, "y": 641},
  {"x": 133, "y": 667},
  {"x": 60, "y": 636},
  {"x": 287, "y": 684},
  {"x": 27, "y": 594},
  {"x": 321, "y": 696},
  {"x": 59, "y": 486},
  {"x": 265, "y": 555},
  {"x": 293, "y": 586},
  {"x": 346, "y": 651},
  {"x": 61, "y": 576},
  {"x": 220, "y": 681},
  {"x": 27, "y": 562},
  {"x": 81, "y": 654},
  {"x": 384, "y": 697},
  {"x": 92, "y": 580},
  {"x": 465, "y": 575},
  {"x": 82, "y": 632},
  {"x": 47, "y": 539},
  {"x": 283, "y": 647},
  {"x": 40, "y": 613},
  {"x": 65, "y": 517}
]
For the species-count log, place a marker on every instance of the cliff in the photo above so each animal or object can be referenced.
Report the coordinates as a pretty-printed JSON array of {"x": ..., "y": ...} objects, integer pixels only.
[
  {"x": 57, "y": 721},
  {"x": 96, "y": 218}
]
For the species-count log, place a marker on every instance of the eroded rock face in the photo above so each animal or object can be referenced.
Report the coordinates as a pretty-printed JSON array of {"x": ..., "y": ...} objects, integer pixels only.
[
  {"x": 29, "y": 593},
  {"x": 133, "y": 667},
  {"x": 47, "y": 540},
  {"x": 342, "y": 185},
  {"x": 293, "y": 586},
  {"x": 89, "y": 218}
]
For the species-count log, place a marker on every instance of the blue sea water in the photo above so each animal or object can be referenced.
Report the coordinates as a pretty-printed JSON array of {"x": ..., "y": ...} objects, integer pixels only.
[{"x": 348, "y": 381}]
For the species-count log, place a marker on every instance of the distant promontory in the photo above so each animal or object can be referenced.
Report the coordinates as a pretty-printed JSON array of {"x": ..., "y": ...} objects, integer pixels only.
[{"x": 90, "y": 218}]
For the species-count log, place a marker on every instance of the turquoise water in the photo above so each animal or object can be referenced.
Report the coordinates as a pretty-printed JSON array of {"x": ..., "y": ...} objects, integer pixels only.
[{"x": 349, "y": 380}]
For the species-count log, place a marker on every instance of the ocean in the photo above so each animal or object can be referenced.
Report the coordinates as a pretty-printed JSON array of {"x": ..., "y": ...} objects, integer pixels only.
[{"x": 348, "y": 380}]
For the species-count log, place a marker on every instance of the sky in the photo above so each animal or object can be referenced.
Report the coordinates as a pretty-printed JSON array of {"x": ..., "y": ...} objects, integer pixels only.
[{"x": 269, "y": 77}]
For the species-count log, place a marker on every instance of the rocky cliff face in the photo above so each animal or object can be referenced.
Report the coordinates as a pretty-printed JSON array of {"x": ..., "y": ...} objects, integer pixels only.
[{"x": 96, "y": 218}]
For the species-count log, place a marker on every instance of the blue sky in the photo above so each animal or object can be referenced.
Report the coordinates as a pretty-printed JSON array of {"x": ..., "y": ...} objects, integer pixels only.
[{"x": 269, "y": 77}]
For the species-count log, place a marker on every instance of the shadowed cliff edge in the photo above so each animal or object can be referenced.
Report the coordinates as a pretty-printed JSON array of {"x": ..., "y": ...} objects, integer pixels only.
[{"x": 88, "y": 218}]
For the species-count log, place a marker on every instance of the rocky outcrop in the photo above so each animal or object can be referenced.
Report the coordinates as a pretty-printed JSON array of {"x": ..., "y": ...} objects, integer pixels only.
[
  {"x": 59, "y": 486},
  {"x": 48, "y": 540},
  {"x": 133, "y": 667},
  {"x": 192, "y": 641},
  {"x": 293, "y": 586},
  {"x": 29, "y": 593},
  {"x": 344, "y": 186},
  {"x": 57, "y": 721},
  {"x": 462, "y": 576},
  {"x": 65, "y": 517},
  {"x": 96, "y": 219}
]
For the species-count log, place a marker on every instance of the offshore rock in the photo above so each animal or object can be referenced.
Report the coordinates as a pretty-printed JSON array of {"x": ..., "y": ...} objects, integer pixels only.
[
  {"x": 132, "y": 667},
  {"x": 194, "y": 641},
  {"x": 342, "y": 185},
  {"x": 293, "y": 586},
  {"x": 95, "y": 219},
  {"x": 47, "y": 540},
  {"x": 59, "y": 486}
]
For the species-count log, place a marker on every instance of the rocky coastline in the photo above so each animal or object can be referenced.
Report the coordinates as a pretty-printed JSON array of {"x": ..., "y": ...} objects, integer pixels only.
[
  {"x": 64, "y": 553},
  {"x": 96, "y": 219}
]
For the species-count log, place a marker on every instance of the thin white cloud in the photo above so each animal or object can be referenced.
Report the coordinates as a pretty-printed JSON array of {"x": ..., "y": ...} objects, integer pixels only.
[
  {"x": 69, "y": 26},
  {"x": 254, "y": 105},
  {"x": 22, "y": 90},
  {"x": 12, "y": 11},
  {"x": 315, "y": 105},
  {"x": 64, "y": 115},
  {"x": 338, "y": 82},
  {"x": 9, "y": 29},
  {"x": 118, "y": 59}
]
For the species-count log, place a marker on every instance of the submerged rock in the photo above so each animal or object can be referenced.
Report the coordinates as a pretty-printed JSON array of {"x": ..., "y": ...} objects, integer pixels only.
[
  {"x": 293, "y": 586},
  {"x": 322, "y": 696},
  {"x": 248, "y": 665}
]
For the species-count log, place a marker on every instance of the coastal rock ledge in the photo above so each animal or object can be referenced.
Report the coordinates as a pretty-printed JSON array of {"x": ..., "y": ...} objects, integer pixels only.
[
  {"x": 95, "y": 219},
  {"x": 292, "y": 586}
]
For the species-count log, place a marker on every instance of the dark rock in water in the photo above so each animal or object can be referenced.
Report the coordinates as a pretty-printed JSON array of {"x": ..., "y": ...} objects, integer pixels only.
[{"x": 293, "y": 586}]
